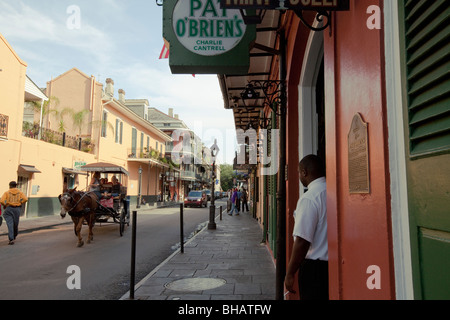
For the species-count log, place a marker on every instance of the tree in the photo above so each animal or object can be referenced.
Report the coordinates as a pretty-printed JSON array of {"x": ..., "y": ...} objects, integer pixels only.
[
  {"x": 226, "y": 176},
  {"x": 78, "y": 118}
]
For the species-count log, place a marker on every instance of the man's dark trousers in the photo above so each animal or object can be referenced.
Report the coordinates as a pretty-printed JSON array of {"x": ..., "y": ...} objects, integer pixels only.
[
  {"x": 11, "y": 216},
  {"x": 313, "y": 280}
]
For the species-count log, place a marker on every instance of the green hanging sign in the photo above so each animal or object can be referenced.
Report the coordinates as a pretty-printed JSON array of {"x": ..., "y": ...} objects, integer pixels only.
[{"x": 205, "y": 39}]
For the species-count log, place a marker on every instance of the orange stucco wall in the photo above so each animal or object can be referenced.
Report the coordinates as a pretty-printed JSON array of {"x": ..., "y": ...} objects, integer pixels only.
[{"x": 12, "y": 85}]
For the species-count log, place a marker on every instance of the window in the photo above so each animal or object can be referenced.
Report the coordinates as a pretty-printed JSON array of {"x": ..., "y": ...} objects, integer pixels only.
[
  {"x": 119, "y": 131},
  {"x": 142, "y": 143},
  {"x": 133, "y": 141},
  {"x": 104, "y": 123},
  {"x": 4, "y": 125}
]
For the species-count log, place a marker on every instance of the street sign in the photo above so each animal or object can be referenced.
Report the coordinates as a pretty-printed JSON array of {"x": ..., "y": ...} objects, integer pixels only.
[
  {"x": 327, "y": 5},
  {"x": 205, "y": 39}
]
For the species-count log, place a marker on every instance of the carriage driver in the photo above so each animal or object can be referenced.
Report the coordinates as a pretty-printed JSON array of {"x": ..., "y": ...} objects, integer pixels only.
[{"x": 95, "y": 185}]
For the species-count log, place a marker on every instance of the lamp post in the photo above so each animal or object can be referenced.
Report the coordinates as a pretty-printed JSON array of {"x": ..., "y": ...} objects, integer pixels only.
[{"x": 212, "y": 207}]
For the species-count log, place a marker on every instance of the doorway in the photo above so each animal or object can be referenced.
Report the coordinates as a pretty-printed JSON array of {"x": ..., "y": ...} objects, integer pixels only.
[
  {"x": 312, "y": 101},
  {"x": 22, "y": 185}
]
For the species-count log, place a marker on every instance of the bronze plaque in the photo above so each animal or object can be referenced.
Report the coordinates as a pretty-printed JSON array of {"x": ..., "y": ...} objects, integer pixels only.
[{"x": 358, "y": 156}]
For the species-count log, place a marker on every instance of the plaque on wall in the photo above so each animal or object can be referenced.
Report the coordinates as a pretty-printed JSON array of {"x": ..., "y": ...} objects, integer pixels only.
[{"x": 358, "y": 157}]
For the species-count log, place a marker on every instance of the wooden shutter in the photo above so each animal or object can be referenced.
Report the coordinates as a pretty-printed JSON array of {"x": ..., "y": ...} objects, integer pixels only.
[
  {"x": 425, "y": 51},
  {"x": 427, "y": 33}
]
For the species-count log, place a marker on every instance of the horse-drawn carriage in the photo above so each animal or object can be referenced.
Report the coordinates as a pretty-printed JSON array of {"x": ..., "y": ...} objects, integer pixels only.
[{"x": 109, "y": 205}]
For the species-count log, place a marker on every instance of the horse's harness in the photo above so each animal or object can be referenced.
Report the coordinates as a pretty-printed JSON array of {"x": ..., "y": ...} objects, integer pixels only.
[{"x": 76, "y": 204}]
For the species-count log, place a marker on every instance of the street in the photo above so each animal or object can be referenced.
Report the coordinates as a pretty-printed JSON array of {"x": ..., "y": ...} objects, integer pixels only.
[{"x": 36, "y": 266}]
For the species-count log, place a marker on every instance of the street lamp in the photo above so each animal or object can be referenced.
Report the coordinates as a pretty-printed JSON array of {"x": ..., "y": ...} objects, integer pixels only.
[{"x": 212, "y": 208}]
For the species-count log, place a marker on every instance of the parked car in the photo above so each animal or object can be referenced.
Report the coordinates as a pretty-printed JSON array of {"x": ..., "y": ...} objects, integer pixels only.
[
  {"x": 196, "y": 199},
  {"x": 208, "y": 194},
  {"x": 217, "y": 194}
]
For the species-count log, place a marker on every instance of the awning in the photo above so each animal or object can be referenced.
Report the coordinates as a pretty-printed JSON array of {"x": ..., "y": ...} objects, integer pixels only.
[
  {"x": 262, "y": 56},
  {"x": 73, "y": 171},
  {"x": 24, "y": 169}
]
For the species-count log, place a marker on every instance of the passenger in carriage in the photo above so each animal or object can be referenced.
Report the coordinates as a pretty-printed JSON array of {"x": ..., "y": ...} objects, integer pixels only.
[{"x": 115, "y": 190}]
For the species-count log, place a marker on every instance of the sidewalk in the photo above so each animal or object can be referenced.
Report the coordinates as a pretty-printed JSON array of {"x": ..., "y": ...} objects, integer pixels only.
[{"x": 228, "y": 263}]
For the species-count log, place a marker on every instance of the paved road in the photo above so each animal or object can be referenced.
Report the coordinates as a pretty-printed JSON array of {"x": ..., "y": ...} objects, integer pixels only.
[{"x": 35, "y": 267}]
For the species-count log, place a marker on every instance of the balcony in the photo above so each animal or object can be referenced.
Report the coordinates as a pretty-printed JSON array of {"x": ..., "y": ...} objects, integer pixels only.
[
  {"x": 152, "y": 155},
  {"x": 30, "y": 130},
  {"x": 188, "y": 175}
]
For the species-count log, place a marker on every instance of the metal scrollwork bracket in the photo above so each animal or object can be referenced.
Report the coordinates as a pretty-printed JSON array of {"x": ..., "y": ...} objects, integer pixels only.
[{"x": 321, "y": 14}]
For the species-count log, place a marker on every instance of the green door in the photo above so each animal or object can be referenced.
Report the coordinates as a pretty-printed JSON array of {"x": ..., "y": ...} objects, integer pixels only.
[{"x": 424, "y": 33}]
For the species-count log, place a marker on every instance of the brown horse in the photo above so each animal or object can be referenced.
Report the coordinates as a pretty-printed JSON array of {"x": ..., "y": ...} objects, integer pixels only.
[{"x": 80, "y": 206}]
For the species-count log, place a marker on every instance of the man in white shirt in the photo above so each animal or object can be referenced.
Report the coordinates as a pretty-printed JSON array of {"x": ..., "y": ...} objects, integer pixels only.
[{"x": 310, "y": 250}]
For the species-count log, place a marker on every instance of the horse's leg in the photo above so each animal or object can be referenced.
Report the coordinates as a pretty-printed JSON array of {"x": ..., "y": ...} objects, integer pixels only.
[
  {"x": 75, "y": 223},
  {"x": 90, "y": 221},
  {"x": 78, "y": 230}
]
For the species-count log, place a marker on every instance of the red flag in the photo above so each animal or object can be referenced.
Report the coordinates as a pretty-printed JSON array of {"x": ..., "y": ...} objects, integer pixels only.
[{"x": 164, "y": 52}]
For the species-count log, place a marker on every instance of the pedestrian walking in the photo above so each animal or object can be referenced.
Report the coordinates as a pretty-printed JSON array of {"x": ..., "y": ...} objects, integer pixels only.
[
  {"x": 12, "y": 201},
  {"x": 244, "y": 200},
  {"x": 238, "y": 200},
  {"x": 310, "y": 250},
  {"x": 233, "y": 203}
]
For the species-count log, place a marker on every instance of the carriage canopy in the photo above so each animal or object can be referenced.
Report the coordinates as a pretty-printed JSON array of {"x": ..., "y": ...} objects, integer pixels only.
[{"x": 104, "y": 167}]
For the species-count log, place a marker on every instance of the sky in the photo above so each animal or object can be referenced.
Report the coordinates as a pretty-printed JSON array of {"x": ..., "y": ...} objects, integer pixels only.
[{"x": 121, "y": 40}]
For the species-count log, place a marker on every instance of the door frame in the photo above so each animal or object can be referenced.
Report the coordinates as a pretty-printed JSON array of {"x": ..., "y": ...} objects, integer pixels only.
[
  {"x": 307, "y": 115},
  {"x": 401, "y": 240}
]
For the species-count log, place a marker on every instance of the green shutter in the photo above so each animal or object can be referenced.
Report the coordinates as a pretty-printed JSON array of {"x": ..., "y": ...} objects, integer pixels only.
[
  {"x": 133, "y": 141},
  {"x": 425, "y": 50},
  {"x": 117, "y": 131},
  {"x": 427, "y": 33}
]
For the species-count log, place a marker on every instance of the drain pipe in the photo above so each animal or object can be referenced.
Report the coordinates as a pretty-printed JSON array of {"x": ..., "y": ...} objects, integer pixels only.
[{"x": 281, "y": 195}]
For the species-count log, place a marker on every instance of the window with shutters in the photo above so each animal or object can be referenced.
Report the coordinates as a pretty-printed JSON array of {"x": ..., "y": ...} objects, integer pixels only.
[
  {"x": 119, "y": 131},
  {"x": 3, "y": 126},
  {"x": 426, "y": 36},
  {"x": 104, "y": 123},
  {"x": 133, "y": 141}
]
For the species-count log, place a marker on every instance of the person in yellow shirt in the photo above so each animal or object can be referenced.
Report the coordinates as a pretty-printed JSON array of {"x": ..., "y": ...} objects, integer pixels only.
[{"x": 12, "y": 200}]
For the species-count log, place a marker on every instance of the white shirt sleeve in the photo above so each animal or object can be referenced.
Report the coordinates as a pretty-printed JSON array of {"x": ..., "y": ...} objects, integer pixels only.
[{"x": 306, "y": 219}]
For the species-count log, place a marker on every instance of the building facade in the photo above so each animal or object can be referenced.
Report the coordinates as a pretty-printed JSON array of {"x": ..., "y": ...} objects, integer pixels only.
[
  {"x": 46, "y": 138},
  {"x": 369, "y": 95},
  {"x": 186, "y": 150}
]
